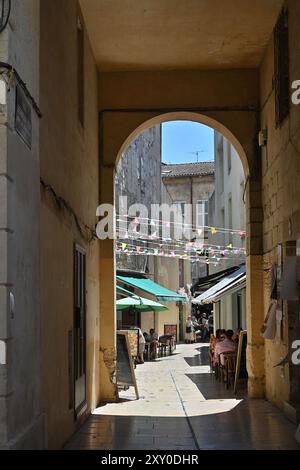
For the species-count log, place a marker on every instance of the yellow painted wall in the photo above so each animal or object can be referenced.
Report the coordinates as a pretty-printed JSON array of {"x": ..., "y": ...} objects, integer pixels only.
[
  {"x": 69, "y": 163},
  {"x": 168, "y": 276},
  {"x": 147, "y": 321},
  {"x": 280, "y": 193}
]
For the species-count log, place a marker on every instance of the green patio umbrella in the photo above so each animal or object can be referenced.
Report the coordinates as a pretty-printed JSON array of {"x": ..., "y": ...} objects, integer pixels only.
[{"x": 141, "y": 304}]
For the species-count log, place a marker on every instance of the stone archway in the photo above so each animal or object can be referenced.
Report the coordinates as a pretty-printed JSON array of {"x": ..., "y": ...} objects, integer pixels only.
[
  {"x": 118, "y": 129},
  {"x": 187, "y": 116}
]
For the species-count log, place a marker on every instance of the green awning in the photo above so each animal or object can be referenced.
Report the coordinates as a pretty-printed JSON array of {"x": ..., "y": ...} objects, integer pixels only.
[
  {"x": 132, "y": 294},
  {"x": 141, "y": 304},
  {"x": 161, "y": 293}
]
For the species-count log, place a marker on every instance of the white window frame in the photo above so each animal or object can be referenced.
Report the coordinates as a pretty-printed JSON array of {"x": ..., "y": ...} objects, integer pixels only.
[{"x": 202, "y": 217}]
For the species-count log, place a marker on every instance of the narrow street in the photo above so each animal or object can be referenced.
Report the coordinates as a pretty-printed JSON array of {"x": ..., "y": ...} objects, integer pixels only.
[{"x": 182, "y": 407}]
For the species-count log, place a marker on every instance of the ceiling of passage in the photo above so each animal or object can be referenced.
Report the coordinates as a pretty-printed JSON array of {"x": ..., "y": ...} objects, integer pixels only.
[{"x": 129, "y": 35}]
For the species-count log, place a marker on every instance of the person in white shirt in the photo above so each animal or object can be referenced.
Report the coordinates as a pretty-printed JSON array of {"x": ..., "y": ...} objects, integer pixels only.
[{"x": 142, "y": 343}]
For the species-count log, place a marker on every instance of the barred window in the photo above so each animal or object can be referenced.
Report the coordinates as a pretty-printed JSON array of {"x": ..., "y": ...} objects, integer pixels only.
[{"x": 281, "y": 68}]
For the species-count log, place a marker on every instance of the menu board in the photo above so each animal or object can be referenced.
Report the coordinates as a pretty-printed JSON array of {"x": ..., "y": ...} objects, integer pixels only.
[
  {"x": 133, "y": 339},
  {"x": 125, "y": 371},
  {"x": 171, "y": 330},
  {"x": 241, "y": 362}
]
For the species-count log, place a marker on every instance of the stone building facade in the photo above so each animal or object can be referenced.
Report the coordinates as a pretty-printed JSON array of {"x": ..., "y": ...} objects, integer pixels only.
[
  {"x": 280, "y": 199},
  {"x": 191, "y": 184},
  {"x": 138, "y": 179},
  {"x": 227, "y": 209}
]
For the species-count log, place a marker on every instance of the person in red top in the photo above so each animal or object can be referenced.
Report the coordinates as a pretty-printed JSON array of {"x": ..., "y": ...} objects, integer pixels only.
[{"x": 227, "y": 345}]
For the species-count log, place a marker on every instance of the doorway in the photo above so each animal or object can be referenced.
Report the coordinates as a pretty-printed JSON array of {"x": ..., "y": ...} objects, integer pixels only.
[{"x": 79, "y": 331}]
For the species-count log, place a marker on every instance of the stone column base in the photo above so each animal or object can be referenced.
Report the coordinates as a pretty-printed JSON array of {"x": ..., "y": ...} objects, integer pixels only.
[
  {"x": 292, "y": 411},
  {"x": 256, "y": 387}
]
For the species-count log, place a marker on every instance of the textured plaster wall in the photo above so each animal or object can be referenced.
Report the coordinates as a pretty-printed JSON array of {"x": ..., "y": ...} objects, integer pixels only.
[
  {"x": 230, "y": 185},
  {"x": 4, "y": 292},
  {"x": 175, "y": 280},
  {"x": 138, "y": 176},
  {"x": 280, "y": 194},
  {"x": 225, "y": 100},
  {"x": 21, "y": 417},
  {"x": 69, "y": 163},
  {"x": 190, "y": 191},
  {"x": 168, "y": 275}
]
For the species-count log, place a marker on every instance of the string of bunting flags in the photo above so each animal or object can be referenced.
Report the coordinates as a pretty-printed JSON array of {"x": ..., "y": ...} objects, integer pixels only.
[
  {"x": 186, "y": 246},
  {"x": 157, "y": 223},
  {"x": 156, "y": 241},
  {"x": 206, "y": 254},
  {"x": 136, "y": 241}
]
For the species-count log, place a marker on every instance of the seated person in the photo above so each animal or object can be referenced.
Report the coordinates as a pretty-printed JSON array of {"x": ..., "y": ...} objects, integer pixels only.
[
  {"x": 213, "y": 341},
  {"x": 225, "y": 345},
  {"x": 236, "y": 335},
  {"x": 152, "y": 338},
  {"x": 220, "y": 332},
  {"x": 212, "y": 345},
  {"x": 153, "y": 335}
]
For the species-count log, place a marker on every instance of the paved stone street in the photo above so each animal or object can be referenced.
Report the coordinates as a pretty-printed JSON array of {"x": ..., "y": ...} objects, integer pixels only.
[{"x": 181, "y": 407}]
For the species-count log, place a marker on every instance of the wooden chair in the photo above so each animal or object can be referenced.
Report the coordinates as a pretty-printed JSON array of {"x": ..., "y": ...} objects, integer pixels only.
[
  {"x": 164, "y": 345},
  {"x": 211, "y": 361},
  {"x": 228, "y": 368},
  {"x": 218, "y": 370}
]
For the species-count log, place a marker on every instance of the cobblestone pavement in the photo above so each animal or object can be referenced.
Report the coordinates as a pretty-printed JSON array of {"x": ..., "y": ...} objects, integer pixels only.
[{"x": 182, "y": 407}]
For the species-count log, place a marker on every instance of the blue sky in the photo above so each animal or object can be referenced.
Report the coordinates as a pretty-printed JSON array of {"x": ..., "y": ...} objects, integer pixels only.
[{"x": 180, "y": 138}]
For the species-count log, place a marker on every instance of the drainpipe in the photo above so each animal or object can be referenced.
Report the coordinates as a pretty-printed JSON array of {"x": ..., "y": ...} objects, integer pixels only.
[{"x": 191, "y": 199}]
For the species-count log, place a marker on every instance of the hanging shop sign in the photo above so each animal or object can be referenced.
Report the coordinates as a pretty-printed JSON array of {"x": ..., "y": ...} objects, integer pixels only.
[{"x": 23, "y": 118}]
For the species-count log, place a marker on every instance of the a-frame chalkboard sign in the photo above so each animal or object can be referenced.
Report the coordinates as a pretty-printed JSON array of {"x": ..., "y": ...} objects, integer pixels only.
[
  {"x": 241, "y": 361},
  {"x": 125, "y": 370}
]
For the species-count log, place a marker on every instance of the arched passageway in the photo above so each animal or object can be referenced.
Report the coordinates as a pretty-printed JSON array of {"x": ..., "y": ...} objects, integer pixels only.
[{"x": 119, "y": 129}]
